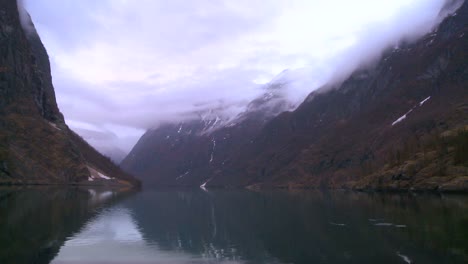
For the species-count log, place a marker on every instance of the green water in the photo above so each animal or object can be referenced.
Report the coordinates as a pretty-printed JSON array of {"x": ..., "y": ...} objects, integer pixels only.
[{"x": 101, "y": 226}]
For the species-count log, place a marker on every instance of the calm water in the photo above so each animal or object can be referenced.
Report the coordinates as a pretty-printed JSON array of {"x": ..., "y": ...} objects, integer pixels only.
[{"x": 101, "y": 226}]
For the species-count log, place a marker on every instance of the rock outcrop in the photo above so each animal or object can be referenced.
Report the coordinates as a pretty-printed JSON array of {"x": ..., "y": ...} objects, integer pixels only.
[{"x": 36, "y": 146}]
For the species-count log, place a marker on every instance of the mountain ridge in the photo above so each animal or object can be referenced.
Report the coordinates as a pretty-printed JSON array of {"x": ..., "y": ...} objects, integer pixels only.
[
  {"x": 36, "y": 146},
  {"x": 342, "y": 135}
]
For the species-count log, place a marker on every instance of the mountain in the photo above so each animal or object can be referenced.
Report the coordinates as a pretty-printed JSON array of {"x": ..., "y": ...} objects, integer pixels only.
[
  {"x": 400, "y": 124},
  {"x": 36, "y": 146},
  {"x": 104, "y": 142},
  {"x": 184, "y": 154}
]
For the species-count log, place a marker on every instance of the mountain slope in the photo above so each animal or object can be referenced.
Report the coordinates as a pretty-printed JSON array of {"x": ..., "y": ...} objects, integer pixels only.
[
  {"x": 340, "y": 135},
  {"x": 36, "y": 146},
  {"x": 397, "y": 125},
  {"x": 188, "y": 153}
]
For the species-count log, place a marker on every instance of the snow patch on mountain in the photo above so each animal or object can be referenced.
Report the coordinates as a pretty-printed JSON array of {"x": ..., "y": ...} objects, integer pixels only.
[
  {"x": 203, "y": 185},
  {"x": 54, "y": 126},
  {"x": 403, "y": 117},
  {"x": 182, "y": 175},
  {"x": 212, "y": 152},
  {"x": 95, "y": 174},
  {"x": 423, "y": 101},
  {"x": 405, "y": 258}
]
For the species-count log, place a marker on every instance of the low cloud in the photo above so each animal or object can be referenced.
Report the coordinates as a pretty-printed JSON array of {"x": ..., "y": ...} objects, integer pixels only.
[{"x": 131, "y": 65}]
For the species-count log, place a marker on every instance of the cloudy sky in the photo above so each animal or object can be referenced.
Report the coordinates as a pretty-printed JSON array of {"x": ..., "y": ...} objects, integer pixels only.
[{"x": 120, "y": 67}]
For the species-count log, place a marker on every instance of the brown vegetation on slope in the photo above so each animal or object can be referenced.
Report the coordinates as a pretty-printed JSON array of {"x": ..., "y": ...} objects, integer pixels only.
[
  {"x": 339, "y": 137},
  {"x": 36, "y": 146}
]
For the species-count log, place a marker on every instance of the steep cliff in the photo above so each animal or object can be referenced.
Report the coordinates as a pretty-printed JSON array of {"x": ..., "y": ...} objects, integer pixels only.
[
  {"x": 396, "y": 125},
  {"x": 36, "y": 146}
]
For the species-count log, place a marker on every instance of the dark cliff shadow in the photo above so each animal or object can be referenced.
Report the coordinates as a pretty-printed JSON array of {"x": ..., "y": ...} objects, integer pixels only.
[
  {"x": 305, "y": 226},
  {"x": 36, "y": 221}
]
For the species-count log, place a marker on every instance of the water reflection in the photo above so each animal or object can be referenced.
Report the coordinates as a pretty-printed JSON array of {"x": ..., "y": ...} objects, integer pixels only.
[
  {"x": 35, "y": 222},
  {"x": 306, "y": 227},
  {"x": 234, "y": 227},
  {"x": 114, "y": 237}
]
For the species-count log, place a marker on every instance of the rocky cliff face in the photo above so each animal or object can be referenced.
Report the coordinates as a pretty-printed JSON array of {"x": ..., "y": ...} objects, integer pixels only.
[
  {"x": 36, "y": 146},
  {"x": 373, "y": 130},
  {"x": 398, "y": 125}
]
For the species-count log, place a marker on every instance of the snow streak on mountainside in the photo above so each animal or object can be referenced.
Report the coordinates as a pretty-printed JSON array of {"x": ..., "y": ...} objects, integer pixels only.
[
  {"x": 120, "y": 74},
  {"x": 185, "y": 153},
  {"x": 379, "y": 128}
]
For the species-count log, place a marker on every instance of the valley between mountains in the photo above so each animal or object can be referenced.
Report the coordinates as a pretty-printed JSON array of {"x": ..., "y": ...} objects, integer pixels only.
[{"x": 400, "y": 124}]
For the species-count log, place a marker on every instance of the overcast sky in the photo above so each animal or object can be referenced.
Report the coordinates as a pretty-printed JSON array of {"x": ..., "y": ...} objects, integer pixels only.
[{"x": 120, "y": 67}]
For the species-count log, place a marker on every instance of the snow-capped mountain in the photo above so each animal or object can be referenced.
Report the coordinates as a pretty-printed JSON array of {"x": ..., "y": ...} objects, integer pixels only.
[
  {"x": 397, "y": 125},
  {"x": 184, "y": 153}
]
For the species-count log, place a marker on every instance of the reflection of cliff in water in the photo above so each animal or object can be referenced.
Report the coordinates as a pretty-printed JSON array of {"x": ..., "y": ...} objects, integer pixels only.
[
  {"x": 114, "y": 237},
  {"x": 40, "y": 225},
  {"x": 302, "y": 227},
  {"x": 35, "y": 222}
]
